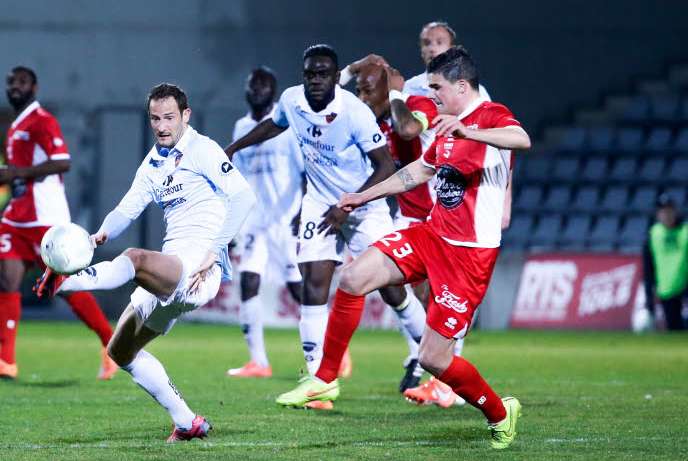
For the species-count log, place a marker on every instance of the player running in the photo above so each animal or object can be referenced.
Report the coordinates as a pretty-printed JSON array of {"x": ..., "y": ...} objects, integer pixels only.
[
  {"x": 36, "y": 156},
  {"x": 455, "y": 250},
  {"x": 204, "y": 200},
  {"x": 343, "y": 151},
  {"x": 274, "y": 169}
]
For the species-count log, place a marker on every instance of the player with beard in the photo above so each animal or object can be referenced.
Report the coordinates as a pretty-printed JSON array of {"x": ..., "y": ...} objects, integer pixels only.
[
  {"x": 455, "y": 250},
  {"x": 334, "y": 128},
  {"x": 36, "y": 157},
  {"x": 274, "y": 170}
]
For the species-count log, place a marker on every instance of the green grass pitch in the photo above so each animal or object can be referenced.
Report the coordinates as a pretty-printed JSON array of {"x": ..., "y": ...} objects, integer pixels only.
[{"x": 585, "y": 396}]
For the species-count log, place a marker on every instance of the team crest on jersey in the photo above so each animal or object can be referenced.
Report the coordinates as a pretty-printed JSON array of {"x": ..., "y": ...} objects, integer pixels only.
[
  {"x": 450, "y": 187},
  {"x": 177, "y": 159},
  {"x": 330, "y": 117}
]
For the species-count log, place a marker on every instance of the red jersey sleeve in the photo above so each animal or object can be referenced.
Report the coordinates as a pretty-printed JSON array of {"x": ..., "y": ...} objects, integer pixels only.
[
  {"x": 499, "y": 116},
  {"x": 49, "y": 136},
  {"x": 423, "y": 109},
  {"x": 430, "y": 155}
]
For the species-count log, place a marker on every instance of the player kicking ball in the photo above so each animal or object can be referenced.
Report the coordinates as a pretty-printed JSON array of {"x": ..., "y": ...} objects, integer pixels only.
[
  {"x": 455, "y": 250},
  {"x": 204, "y": 200}
]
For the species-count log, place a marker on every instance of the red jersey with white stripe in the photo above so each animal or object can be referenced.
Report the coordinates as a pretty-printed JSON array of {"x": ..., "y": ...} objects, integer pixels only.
[
  {"x": 471, "y": 180},
  {"x": 33, "y": 138},
  {"x": 417, "y": 202}
]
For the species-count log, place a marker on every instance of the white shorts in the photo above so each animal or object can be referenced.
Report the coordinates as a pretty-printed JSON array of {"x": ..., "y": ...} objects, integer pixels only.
[
  {"x": 402, "y": 222},
  {"x": 275, "y": 247},
  {"x": 365, "y": 226},
  {"x": 160, "y": 314}
]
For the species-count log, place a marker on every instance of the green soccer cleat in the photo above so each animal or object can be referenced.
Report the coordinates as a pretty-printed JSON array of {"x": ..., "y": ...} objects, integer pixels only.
[
  {"x": 309, "y": 390},
  {"x": 504, "y": 432}
]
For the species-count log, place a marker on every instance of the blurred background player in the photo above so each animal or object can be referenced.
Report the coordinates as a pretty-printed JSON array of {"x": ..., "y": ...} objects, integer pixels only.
[
  {"x": 665, "y": 263},
  {"x": 36, "y": 156},
  {"x": 333, "y": 128},
  {"x": 205, "y": 200},
  {"x": 274, "y": 169},
  {"x": 456, "y": 250}
]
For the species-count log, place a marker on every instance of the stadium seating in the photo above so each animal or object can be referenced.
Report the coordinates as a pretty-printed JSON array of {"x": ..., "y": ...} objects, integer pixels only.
[{"x": 592, "y": 184}]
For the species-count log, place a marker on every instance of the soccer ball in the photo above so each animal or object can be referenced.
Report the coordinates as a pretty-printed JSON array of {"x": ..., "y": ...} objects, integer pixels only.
[{"x": 66, "y": 248}]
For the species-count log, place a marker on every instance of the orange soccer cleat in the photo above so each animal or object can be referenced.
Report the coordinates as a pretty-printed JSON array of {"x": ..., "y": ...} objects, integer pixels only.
[
  {"x": 347, "y": 366},
  {"x": 251, "y": 370},
  {"x": 199, "y": 430},
  {"x": 8, "y": 370},
  {"x": 48, "y": 283},
  {"x": 433, "y": 391},
  {"x": 319, "y": 405},
  {"x": 108, "y": 367}
]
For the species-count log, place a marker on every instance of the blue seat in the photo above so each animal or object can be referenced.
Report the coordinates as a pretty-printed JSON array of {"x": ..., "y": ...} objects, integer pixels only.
[
  {"x": 644, "y": 199},
  {"x": 537, "y": 169},
  {"x": 603, "y": 233},
  {"x": 575, "y": 230},
  {"x": 624, "y": 169},
  {"x": 678, "y": 171},
  {"x": 652, "y": 170},
  {"x": 572, "y": 138},
  {"x": 630, "y": 139},
  {"x": 546, "y": 231},
  {"x": 658, "y": 139},
  {"x": 530, "y": 198},
  {"x": 678, "y": 194},
  {"x": 665, "y": 107},
  {"x": 518, "y": 233},
  {"x": 637, "y": 109},
  {"x": 558, "y": 198},
  {"x": 587, "y": 199},
  {"x": 565, "y": 169},
  {"x": 595, "y": 170},
  {"x": 681, "y": 141},
  {"x": 615, "y": 199},
  {"x": 601, "y": 138},
  {"x": 634, "y": 232}
]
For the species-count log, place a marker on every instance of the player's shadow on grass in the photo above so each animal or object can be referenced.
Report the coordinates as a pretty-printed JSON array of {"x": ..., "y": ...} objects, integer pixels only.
[{"x": 50, "y": 384}]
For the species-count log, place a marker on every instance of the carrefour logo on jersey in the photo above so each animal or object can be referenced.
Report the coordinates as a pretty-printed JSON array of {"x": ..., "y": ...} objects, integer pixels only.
[{"x": 451, "y": 186}]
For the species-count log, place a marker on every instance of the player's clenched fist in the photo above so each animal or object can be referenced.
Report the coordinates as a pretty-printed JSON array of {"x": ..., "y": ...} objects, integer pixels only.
[{"x": 350, "y": 201}]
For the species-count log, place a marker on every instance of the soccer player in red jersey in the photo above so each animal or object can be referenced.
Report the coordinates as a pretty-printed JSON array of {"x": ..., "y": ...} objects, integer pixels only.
[
  {"x": 36, "y": 156},
  {"x": 455, "y": 250}
]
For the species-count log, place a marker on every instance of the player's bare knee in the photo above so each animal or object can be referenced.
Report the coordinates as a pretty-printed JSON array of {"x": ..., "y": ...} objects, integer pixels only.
[
  {"x": 137, "y": 256},
  {"x": 431, "y": 361},
  {"x": 351, "y": 280}
]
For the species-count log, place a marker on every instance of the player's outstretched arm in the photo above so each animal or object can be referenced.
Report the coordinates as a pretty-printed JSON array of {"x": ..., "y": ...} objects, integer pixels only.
[
  {"x": 407, "y": 178},
  {"x": 508, "y": 137},
  {"x": 262, "y": 132},
  {"x": 7, "y": 174}
]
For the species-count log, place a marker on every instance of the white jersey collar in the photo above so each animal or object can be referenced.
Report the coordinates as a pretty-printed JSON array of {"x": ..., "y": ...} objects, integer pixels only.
[
  {"x": 25, "y": 113},
  {"x": 333, "y": 107},
  {"x": 471, "y": 107}
]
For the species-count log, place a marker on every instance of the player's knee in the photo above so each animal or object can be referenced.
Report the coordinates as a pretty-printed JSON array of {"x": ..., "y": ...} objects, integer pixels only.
[
  {"x": 120, "y": 356},
  {"x": 431, "y": 361},
  {"x": 352, "y": 280},
  {"x": 137, "y": 256}
]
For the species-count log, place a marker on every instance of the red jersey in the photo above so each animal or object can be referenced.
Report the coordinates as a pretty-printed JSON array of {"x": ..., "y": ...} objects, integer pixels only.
[
  {"x": 33, "y": 138},
  {"x": 417, "y": 202},
  {"x": 471, "y": 180}
]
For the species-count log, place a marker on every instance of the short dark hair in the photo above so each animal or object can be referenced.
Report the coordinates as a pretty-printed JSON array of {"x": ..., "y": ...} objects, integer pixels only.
[
  {"x": 165, "y": 90},
  {"x": 321, "y": 50},
  {"x": 266, "y": 73},
  {"x": 28, "y": 70},
  {"x": 443, "y": 24},
  {"x": 455, "y": 64}
]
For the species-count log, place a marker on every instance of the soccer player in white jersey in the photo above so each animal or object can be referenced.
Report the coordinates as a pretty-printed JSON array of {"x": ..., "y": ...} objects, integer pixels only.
[
  {"x": 343, "y": 151},
  {"x": 205, "y": 200},
  {"x": 274, "y": 169}
]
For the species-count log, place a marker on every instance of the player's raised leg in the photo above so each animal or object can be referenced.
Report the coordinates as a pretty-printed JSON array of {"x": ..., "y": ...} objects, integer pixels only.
[{"x": 366, "y": 273}]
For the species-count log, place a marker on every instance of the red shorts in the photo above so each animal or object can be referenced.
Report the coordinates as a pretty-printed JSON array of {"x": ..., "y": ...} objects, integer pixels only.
[
  {"x": 22, "y": 243},
  {"x": 458, "y": 276}
]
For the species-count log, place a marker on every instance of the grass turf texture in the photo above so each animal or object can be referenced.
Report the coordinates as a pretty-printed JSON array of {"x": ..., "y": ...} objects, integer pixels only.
[{"x": 585, "y": 396}]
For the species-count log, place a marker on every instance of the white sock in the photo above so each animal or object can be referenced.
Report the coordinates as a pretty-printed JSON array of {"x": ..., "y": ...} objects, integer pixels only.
[
  {"x": 413, "y": 346},
  {"x": 149, "y": 373},
  {"x": 458, "y": 347},
  {"x": 411, "y": 315},
  {"x": 102, "y": 276},
  {"x": 312, "y": 326},
  {"x": 251, "y": 319}
]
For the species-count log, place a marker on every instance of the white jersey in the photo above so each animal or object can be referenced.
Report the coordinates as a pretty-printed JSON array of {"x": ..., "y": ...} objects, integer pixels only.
[
  {"x": 334, "y": 141},
  {"x": 274, "y": 169},
  {"x": 419, "y": 86},
  {"x": 192, "y": 184}
]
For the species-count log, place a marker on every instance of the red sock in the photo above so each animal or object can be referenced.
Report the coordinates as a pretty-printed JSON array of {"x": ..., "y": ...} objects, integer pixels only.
[
  {"x": 465, "y": 380},
  {"x": 343, "y": 321},
  {"x": 85, "y": 306},
  {"x": 10, "y": 311}
]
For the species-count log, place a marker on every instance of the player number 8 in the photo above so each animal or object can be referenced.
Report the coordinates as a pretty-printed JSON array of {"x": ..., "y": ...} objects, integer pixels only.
[{"x": 308, "y": 232}]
